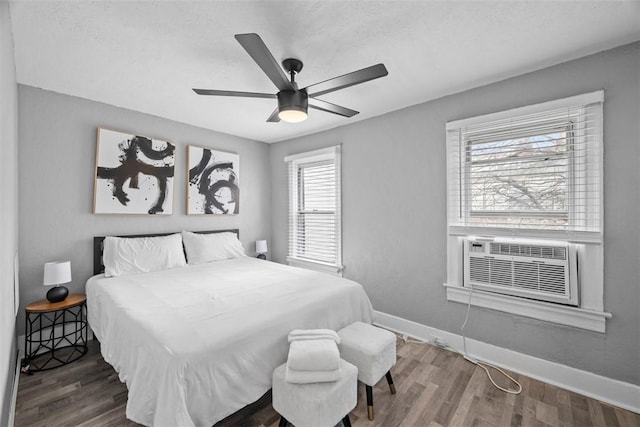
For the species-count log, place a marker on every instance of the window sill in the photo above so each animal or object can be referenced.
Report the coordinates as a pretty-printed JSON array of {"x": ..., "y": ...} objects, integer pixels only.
[
  {"x": 586, "y": 237},
  {"x": 572, "y": 316},
  {"x": 316, "y": 266}
]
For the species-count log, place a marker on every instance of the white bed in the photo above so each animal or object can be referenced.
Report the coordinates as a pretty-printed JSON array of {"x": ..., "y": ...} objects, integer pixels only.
[{"x": 195, "y": 344}]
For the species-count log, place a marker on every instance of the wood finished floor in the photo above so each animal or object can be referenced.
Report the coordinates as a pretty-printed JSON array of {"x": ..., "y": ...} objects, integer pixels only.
[{"x": 435, "y": 387}]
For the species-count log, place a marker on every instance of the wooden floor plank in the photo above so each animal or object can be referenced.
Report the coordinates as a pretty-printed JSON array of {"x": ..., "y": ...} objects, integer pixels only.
[
  {"x": 475, "y": 389},
  {"x": 507, "y": 410},
  {"x": 395, "y": 411},
  {"x": 609, "y": 415},
  {"x": 565, "y": 416},
  {"x": 627, "y": 418},
  {"x": 518, "y": 406},
  {"x": 580, "y": 410},
  {"x": 595, "y": 412},
  {"x": 435, "y": 388},
  {"x": 413, "y": 416},
  {"x": 548, "y": 414},
  {"x": 453, "y": 397},
  {"x": 492, "y": 405}
]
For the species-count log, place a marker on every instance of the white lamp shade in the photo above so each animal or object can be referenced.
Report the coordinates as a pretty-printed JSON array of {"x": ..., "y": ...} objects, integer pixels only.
[
  {"x": 261, "y": 247},
  {"x": 56, "y": 273}
]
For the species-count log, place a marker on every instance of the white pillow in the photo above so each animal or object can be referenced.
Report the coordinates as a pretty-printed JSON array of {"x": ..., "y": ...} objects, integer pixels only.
[
  {"x": 131, "y": 255},
  {"x": 203, "y": 248}
]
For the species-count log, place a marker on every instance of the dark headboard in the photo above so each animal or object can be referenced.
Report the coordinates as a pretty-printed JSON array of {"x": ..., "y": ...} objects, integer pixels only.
[{"x": 98, "y": 245}]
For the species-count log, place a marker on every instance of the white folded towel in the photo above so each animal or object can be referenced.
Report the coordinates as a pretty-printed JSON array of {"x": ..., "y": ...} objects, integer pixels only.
[
  {"x": 306, "y": 377},
  {"x": 313, "y": 334},
  {"x": 313, "y": 355}
]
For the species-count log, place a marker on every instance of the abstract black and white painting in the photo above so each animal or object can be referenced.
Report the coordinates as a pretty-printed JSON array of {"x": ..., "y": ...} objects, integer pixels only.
[
  {"x": 213, "y": 186},
  {"x": 134, "y": 174}
]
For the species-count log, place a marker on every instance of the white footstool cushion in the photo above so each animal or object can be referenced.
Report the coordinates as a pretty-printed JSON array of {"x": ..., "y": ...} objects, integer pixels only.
[
  {"x": 315, "y": 404},
  {"x": 371, "y": 349}
]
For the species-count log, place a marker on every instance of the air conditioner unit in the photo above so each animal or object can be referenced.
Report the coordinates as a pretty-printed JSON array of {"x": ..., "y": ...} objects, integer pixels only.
[{"x": 541, "y": 271}]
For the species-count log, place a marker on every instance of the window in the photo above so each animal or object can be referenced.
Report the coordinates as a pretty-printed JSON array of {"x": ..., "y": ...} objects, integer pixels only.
[
  {"x": 314, "y": 210},
  {"x": 529, "y": 177},
  {"x": 534, "y": 171},
  {"x": 522, "y": 178}
]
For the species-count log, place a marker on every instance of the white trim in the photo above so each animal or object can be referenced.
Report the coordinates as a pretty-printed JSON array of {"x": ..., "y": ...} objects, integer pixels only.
[
  {"x": 614, "y": 392},
  {"x": 584, "y": 99},
  {"x": 332, "y": 264},
  {"x": 21, "y": 349},
  {"x": 579, "y": 317},
  {"x": 586, "y": 237},
  {"x": 315, "y": 155},
  {"x": 14, "y": 391},
  {"x": 336, "y": 270}
]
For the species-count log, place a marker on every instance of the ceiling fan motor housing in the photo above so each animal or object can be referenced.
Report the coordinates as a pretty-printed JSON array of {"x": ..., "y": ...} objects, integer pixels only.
[{"x": 297, "y": 100}]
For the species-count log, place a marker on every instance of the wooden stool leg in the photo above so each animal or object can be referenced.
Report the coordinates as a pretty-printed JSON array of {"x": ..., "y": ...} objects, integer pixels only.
[
  {"x": 369, "y": 402},
  {"x": 283, "y": 422},
  {"x": 392, "y": 387},
  {"x": 346, "y": 421}
]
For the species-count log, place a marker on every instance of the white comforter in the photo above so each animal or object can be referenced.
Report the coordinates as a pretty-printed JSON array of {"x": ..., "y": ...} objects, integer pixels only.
[{"x": 195, "y": 344}]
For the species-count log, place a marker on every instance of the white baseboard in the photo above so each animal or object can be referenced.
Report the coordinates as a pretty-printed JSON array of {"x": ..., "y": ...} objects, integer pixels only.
[
  {"x": 20, "y": 345},
  {"x": 14, "y": 391},
  {"x": 614, "y": 392}
]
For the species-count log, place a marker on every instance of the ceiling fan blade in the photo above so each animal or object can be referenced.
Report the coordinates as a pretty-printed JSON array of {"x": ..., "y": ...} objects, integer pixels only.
[
  {"x": 233, "y": 93},
  {"x": 273, "y": 118},
  {"x": 331, "y": 108},
  {"x": 346, "y": 80},
  {"x": 256, "y": 48}
]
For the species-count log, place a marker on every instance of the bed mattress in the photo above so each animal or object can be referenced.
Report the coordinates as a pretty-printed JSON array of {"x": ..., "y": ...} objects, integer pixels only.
[{"x": 197, "y": 343}]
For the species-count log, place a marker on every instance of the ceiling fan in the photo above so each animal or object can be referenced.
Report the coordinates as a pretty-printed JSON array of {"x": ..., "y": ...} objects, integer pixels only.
[{"x": 293, "y": 102}]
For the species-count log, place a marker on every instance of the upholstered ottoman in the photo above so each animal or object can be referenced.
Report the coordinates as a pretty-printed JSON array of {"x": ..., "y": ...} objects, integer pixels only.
[
  {"x": 373, "y": 351},
  {"x": 315, "y": 404}
]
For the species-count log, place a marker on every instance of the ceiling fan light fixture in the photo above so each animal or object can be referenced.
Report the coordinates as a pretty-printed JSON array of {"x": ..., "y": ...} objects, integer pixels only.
[
  {"x": 292, "y": 116},
  {"x": 292, "y": 105}
]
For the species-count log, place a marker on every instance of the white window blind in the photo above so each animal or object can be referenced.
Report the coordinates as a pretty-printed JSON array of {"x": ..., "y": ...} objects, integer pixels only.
[
  {"x": 314, "y": 207},
  {"x": 535, "y": 170}
]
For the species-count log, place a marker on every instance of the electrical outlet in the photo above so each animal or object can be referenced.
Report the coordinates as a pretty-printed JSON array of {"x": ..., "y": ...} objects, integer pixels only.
[{"x": 437, "y": 341}]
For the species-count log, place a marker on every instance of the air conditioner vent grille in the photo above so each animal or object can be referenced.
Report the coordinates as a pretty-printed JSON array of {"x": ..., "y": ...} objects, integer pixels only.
[
  {"x": 552, "y": 278},
  {"x": 531, "y": 276},
  {"x": 530, "y": 251},
  {"x": 479, "y": 270}
]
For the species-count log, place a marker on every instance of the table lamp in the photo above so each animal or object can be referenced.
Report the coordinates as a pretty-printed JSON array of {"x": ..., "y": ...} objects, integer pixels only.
[
  {"x": 57, "y": 273},
  {"x": 261, "y": 248}
]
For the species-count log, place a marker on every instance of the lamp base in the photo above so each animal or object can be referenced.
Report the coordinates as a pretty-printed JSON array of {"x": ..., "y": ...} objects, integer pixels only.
[
  {"x": 57, "y": 294},
  {"x": 262, "y": 256}
]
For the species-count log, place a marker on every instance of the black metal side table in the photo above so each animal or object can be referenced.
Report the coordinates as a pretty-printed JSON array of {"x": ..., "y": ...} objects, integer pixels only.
[{"x": 55, "y": 333}]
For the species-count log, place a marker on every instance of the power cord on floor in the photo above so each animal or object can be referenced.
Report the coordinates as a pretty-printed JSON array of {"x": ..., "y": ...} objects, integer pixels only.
[
  {"x": 482, "y": 364},
  {"x": 405, "y": 338},
  {"x": 443, "y": 344}
]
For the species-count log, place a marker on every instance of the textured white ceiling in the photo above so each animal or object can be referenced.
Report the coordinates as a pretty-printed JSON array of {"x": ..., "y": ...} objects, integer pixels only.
[{"x": 147, "y": 55}]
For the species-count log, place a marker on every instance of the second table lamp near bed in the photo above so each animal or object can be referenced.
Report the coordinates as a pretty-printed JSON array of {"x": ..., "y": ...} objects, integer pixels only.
[
  {"x": 261, "y": 248},
  {"x": 57, "y": 273}
]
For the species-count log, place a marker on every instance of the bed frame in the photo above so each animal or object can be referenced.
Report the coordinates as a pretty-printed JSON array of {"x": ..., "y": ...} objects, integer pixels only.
[{"x": 98, "y": 244}]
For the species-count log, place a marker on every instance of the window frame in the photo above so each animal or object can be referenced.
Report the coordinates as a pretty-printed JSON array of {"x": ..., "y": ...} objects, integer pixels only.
[
  {"x": 590, "y": 312},
  {"x": 294, "y": 164}
]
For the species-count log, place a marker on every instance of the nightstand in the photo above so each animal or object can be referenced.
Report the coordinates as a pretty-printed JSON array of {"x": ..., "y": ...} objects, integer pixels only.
[{"x": 55, "y": 333}]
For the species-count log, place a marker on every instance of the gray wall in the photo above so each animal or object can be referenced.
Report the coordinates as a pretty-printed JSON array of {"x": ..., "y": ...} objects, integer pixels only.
[
  {"x": 8, "y": 209},
  {"x": 57, "y": 161},
  {"x": 394, "y": 211}
]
